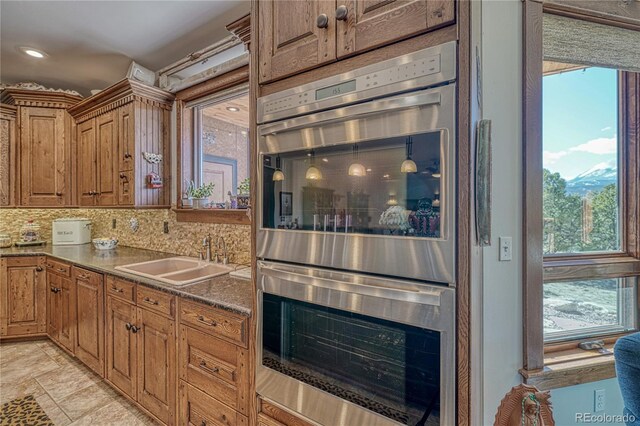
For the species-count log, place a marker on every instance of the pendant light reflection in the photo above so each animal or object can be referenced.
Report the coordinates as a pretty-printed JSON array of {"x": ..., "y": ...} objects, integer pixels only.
[
  {"x": 278, "y": 175},
  {"x": 356, "y": 168},
  {"x": 313, "y": 173},
  {"x": 408, "y": 165}
]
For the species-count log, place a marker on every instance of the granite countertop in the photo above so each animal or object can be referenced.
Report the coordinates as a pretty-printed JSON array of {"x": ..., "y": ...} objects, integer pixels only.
[{"x": 225, "y": 292}]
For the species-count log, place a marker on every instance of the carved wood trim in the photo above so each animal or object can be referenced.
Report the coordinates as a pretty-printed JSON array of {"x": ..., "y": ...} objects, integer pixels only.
[
  {"x": 119, "y": 94},
  {"x": 241, "y": 28},
  {"x": 38, "y": 98}
]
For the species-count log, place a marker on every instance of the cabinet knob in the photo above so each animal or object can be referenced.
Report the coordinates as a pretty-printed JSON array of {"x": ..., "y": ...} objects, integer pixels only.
[
  {"x": 59, "y": 194},
  {"x": 39, "y": 269},
  {"x": 134, "y": 329},
  {"x": 127, "y": 155},
  {"x": 322, "y": 21},
  {"x": 342, "y": 13},
  {"x": 127, "y": 326}
]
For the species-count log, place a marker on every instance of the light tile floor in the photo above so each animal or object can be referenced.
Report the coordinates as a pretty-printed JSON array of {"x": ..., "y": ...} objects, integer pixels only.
[{"x": 67, "y": 391}]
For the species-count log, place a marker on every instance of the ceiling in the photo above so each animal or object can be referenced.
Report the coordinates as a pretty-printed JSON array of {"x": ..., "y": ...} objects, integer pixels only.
[
  {"x": 239, "y": 118},
  {"x": 90, "y": 44}
]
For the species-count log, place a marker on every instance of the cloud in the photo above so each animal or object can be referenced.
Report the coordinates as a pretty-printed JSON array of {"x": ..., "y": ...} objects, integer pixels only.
[
  {"x": 550, "y": 157},
  {"x": 600, "y": 146},
  {"x": 604, "y": 129}
]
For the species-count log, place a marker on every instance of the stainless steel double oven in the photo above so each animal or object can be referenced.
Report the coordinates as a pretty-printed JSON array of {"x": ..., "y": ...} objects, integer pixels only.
[{"x": 356, "y": 244}]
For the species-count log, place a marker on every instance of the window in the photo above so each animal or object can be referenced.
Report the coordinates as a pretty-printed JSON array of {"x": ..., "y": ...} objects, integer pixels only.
[
  {"x": 582, "y": 177},
  {"x": 221, "y": 155}
]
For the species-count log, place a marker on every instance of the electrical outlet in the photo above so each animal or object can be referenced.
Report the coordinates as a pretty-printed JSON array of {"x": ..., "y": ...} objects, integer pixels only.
[
  {"x": 113, "y": 223},
  {"x": 165, "y": 228},
  {"x": 600, "y": 400},
  {"x": 506, "y": 250}
]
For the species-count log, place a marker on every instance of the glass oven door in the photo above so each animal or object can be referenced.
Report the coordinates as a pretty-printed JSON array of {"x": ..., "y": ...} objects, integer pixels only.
[
  {"x": 368, "y": 187},
  {"x": 388, "y": 357}
]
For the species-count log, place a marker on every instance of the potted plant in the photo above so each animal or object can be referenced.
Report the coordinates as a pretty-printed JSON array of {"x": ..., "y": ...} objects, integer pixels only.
[
  {"x": 244, "y": 190},
  {"x": 187, "y": 200},
  {"x": 200, "y": 194}
]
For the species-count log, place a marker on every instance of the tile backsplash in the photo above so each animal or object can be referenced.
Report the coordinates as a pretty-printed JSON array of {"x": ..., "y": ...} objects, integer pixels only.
[{"x": 183, "y": 238}]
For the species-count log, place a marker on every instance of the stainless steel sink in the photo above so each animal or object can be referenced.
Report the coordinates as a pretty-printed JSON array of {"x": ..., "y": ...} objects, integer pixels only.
[{"x": 177, "y": 271}]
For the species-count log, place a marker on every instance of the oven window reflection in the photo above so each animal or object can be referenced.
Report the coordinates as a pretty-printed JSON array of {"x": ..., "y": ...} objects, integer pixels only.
[
  {"x": 381, "y": 187},
  {"x": 389, "y": 368}
]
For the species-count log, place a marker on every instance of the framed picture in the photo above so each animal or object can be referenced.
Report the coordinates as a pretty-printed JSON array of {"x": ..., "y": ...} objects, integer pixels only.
[{"x": 286, "y": 203}]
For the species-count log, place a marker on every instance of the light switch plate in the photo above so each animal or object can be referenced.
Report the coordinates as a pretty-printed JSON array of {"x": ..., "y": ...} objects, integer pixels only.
[{"x": 506, "y": 249}]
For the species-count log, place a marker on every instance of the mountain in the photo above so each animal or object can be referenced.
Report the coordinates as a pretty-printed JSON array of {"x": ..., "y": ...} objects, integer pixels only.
[{"x": 594, "y": 179}]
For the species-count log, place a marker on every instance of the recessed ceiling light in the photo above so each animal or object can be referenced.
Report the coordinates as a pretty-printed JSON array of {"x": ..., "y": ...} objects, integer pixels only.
[
  {"x": 233, "y": 109},
  {"x": 35, "y": 53}
]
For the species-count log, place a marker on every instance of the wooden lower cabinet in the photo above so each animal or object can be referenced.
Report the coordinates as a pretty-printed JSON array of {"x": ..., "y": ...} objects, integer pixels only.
[
  {"x": 199, "y": 409},
  {"x": 23, "y": 286},
  {"x": 156, "y": 349},
  {"x": 89, "y": 306},
  {"x": 122, "y": 358},
  {"x": 61, "y": 312}
]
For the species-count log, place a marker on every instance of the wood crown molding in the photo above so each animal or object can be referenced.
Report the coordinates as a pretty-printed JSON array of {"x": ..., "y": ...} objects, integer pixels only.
[
  {"x": 121, "y": 93},
  {"x": 8, "y": 111},
  {"x": 38, "y": 98},
  {"x": 241, "y": 28},
  {"x": 216, "y": 84}
]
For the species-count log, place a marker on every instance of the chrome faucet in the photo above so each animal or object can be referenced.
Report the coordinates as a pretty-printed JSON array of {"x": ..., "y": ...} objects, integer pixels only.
[
  {"x": 221, "y": 245},
  {"x": 205, "y": 253}
]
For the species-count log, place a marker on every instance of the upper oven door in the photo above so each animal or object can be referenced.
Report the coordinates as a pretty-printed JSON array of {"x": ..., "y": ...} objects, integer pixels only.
[{"x": 368, "y": 187}]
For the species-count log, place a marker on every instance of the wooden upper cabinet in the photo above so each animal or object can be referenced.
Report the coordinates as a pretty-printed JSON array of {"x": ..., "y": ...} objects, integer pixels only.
[
  {"x": 23, "y": 286},
  {"x": 367, "y": 24},
  {"x": 43, "y": 147},
  {"x": 8, "y": 146},
  {"x": 124, "y": 123},
  {"x": 107, "y": 140},
  {"x": 294, "y": 36},
  {"x": 87, "y": 163}
]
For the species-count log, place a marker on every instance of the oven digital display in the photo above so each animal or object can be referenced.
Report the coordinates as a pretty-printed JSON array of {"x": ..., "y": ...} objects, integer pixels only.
[{"x": 336, "y": 90}]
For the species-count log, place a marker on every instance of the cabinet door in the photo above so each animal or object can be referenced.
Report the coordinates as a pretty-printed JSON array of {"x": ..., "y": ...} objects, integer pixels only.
[
  {"x": 89, "y": 307},
  {"x": 7, "y": 155},
  {"x": 291, "y": 40},
  {"x": 66, "y": 336},
  {"x": 43, "y": 157},
  {"x": 126, "y": 132},
  {"x": 373, "y": 23},
  {"x": 23, "y": 310},
  {"x": 157, "y": 365},
  {"x": 53, "y": 306},
  {"x": 107, "y": 138},
  {"x": 87, "y": 163},
  {"x": 121, "y": 345}
]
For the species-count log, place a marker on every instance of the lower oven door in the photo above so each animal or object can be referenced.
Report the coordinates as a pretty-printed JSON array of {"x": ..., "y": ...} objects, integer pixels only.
[{"x": 347, "y": 349}]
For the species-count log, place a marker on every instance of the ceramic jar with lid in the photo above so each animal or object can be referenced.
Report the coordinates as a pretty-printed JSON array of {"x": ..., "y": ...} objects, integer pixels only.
[{"x": 30, "y": 231}]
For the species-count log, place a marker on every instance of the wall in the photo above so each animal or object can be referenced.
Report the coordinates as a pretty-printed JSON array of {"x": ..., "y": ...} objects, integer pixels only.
[
  {"x": 183, "y": 238},
  {"x": 500, "y": 300}
]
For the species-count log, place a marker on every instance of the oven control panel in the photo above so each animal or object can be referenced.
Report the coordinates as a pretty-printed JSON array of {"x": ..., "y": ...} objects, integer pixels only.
[{"x": 417, "y": 70}]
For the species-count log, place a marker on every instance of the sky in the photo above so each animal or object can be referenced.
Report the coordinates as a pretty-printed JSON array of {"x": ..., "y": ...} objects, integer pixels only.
[{"x": 580, "y": 117}]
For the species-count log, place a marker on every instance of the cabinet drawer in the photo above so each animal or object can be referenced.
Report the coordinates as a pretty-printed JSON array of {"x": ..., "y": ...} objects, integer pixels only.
[
  {"x": 58, "y": 267},
  {"x": 86, "y": 275},
  {"x": 222, "y": 324},
  {"x": 270, "y": 415},
  {"x": 216, "y": 367},
  {"x": 154, "y": 300},
  {"x": 197, "y": 408},
  {"x": 121, "y": 289}
]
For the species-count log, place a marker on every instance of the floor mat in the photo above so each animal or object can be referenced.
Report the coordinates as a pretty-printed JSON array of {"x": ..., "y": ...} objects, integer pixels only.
[{"x": 23, "y": 411}]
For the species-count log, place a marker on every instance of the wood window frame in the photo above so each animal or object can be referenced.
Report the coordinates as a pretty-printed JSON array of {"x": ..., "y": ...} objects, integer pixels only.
[
  {"x": 561, "y": 364},
  {"x": 185, "y": 147}
]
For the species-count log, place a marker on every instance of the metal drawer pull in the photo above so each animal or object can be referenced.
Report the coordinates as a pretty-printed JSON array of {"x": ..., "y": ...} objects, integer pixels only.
[
  {"x": 202, "y": 320},
  {"x": 153, "y": 302},
  {"x": 117, "y": 290},
  {"x": 134, "y": 329},
  {"x": 127, "y": 326},
  {"x": 83, "y": 276},
  {"x": 203, "y": 423},
  {"x": 62, "y": 270},
  {"x": 204, "y": 366}
]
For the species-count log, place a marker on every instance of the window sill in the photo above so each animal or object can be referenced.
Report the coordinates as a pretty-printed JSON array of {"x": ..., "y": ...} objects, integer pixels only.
[
  {"x": 570, "y": 368},
  {"x": 231, "y": 216}
]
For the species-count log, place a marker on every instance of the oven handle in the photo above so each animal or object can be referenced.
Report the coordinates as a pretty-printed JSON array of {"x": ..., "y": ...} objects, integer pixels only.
[
  {"x": 427, "y": 296},
  {"x": 429, "y": 97}
]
